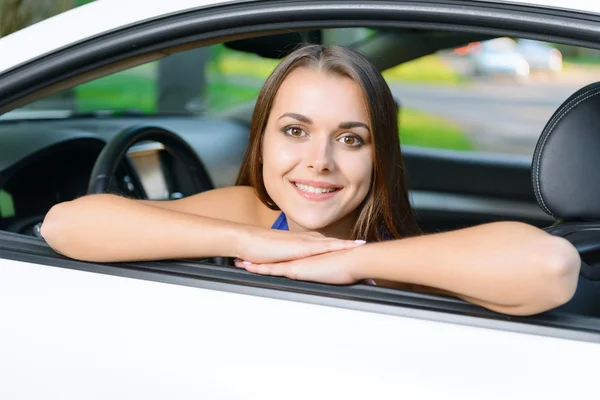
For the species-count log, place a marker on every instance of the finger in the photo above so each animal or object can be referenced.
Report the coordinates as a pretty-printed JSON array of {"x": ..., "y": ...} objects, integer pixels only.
[
  {"x": 336, "y": 244},
  {"x": 247, "y": 265},
  {"x": 279, "y": 269}
]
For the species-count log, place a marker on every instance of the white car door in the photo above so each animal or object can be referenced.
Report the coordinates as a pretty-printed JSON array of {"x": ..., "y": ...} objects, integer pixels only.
[{"x": 71, "y": 334}]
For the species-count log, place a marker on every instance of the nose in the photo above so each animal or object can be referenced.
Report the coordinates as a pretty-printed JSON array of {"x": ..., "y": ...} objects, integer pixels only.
[{"x": 319, "y": 157}]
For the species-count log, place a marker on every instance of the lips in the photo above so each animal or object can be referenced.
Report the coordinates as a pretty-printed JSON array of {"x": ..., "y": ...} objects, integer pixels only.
[
  {"x": 312, "y": 189},
  {"x": 315, "y": 190}
]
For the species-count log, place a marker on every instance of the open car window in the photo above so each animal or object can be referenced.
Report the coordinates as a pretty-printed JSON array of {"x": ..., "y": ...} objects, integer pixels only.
[
  {"x": 476, "y": 97},
  {"x": 490, "y": 95}
]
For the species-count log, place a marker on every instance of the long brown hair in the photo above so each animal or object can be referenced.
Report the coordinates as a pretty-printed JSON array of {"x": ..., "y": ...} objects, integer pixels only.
[{"x": 385, "y": 212}]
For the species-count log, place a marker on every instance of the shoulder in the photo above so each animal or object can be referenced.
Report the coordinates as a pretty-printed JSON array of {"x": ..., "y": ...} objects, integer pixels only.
[{"x": 236, "y": 203}]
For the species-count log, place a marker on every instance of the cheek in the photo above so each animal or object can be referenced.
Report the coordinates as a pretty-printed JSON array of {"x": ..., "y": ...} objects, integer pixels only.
[
  {"x": 358, "y": 169},
  {"x": 278, "y": 158}
]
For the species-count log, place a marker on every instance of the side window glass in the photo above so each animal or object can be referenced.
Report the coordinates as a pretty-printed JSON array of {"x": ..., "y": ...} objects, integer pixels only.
[
  {"x": 199, "y": 81},
  {"x": 7, "y": 207},
  {"x": 491, "y": 96}
]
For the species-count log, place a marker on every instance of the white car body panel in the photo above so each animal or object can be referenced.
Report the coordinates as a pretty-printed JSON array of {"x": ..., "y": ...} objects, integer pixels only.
[
  {"x": 100, "y": 17},
  {"x": 130, "y": 338}
]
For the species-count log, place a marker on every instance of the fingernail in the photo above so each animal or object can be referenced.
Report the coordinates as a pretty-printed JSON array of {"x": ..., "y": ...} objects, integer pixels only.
[
  {"x": 360, "y": 241},
  {"x": 246, "y": 262}
]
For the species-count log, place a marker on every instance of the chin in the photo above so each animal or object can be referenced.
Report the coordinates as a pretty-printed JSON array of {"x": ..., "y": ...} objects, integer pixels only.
[{"x": 313, "y": 222}]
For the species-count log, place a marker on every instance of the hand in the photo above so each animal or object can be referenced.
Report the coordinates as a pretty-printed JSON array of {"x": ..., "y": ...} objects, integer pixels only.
[
  {"x": 336, "y": 268},
  {"x": 265, "y": 246}
]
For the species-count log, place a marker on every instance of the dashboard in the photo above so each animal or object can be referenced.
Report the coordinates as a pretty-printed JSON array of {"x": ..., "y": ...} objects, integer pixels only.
[{"x": 45, "y": 162}]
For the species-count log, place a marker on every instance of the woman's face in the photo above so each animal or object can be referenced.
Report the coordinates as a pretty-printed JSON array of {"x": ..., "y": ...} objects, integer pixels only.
[{"x": 317, "y": 151}]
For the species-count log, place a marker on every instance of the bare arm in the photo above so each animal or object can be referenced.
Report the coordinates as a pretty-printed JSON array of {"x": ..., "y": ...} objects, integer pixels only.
[
  {"x": 113, "y": 228},
  {"x": 226, "y": 222},
  {"x": 508, "y": 267}
]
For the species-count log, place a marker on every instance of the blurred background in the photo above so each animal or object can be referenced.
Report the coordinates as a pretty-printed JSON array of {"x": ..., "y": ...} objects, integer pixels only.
[{"x": 490, "y": 96}]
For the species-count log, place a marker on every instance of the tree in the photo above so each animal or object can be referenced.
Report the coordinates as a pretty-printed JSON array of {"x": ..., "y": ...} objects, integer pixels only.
[{"x": 18, "y": 14}]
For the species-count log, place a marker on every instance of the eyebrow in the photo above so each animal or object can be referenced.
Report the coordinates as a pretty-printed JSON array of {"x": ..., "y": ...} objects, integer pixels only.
[
  {"x": 343, "y": 125},
  {"x": 298, "y": 117},
  {"x": 354, "y": 124}
]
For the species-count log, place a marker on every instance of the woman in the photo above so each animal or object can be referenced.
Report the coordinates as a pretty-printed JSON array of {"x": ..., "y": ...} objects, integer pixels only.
[{"x": 323, "y": 175}]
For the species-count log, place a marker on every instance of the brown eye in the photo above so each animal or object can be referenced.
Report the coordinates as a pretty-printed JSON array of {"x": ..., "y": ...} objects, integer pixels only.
[
  {"x": 352, "y": 140},
  {"x": 294, "y": 131}
]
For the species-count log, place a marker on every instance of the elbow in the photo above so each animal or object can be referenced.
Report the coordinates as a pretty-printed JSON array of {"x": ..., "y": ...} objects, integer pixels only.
[
  {"x": 63, "y": 226},
  {"x": 66, "y": 227},
  {"x": 55, "y": 227},
  {"x": 559, "y": 273}
]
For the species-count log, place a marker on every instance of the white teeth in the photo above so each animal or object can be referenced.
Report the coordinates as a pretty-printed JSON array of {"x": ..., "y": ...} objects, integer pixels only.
[{"x": 311, "y": 189}]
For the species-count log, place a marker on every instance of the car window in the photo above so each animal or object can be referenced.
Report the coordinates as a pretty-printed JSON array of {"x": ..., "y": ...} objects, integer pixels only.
[
  {"x": 200, "y": 81},
  {"x": 491, "y": 96},
  {"x": 488, "y": 96}
]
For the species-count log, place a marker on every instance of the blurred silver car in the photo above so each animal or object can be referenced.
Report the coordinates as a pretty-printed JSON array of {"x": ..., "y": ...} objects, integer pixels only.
[
  {"x": 541, "y": 56},
  {"x": 499, "y": 57}
]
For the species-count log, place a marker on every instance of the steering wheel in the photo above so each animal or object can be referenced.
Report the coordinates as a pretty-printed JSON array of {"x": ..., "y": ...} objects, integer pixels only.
[{"x": 114, "y": 152}]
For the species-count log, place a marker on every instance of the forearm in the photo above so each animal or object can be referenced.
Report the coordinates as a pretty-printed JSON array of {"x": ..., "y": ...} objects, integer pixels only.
[
  {"x": 508, "y": 267},
  {"x": 109, "y": 228}
]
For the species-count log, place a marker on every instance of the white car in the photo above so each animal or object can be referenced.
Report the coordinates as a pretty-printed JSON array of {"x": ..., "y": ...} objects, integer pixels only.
[
  {"x": 194, "y": 329},
  {"x": 541, "y": 56},
  {"x": 500, "y": 58}
]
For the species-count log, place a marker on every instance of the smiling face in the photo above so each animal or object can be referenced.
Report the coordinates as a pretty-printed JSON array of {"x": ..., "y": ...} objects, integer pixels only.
[{"x": 317, "y": 151}]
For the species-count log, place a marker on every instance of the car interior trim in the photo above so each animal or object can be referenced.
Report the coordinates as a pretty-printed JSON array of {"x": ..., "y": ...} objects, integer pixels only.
[{"x": 461, "y": 203}]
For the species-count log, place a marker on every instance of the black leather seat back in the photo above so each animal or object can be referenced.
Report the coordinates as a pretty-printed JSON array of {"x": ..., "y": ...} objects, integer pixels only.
[
  {"x": 566, "y": 162},
  {"x": 566, "y": 182}
]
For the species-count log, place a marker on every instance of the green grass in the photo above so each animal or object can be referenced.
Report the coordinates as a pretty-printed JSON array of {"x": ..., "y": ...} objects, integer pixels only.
[
  {"x": 7, "y": 207},
  {"x": 425, "y": 130},
  {"x": 117, "y": 92},
  {"x": 234, "y": 63},
  {"x": 429, "y": 69},
  {"x": 582, "y": 60},
  {"x": 236, "y": 79},
  {"x": 222, "y": 95}
]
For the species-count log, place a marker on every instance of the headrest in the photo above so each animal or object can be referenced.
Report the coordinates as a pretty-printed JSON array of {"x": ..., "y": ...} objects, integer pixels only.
[{"x": 566, "y": 162}]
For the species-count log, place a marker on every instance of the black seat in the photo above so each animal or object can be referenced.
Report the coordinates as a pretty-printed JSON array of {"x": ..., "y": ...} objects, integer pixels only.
[{"x": 566, "y": 182}]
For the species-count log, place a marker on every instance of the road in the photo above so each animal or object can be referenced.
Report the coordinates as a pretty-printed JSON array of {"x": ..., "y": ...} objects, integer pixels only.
[{"x": 501, "y": 116}]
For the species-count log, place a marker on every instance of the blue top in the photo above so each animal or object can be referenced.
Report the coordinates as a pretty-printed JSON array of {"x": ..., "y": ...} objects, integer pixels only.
[{"x": 281, "y": 223}]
